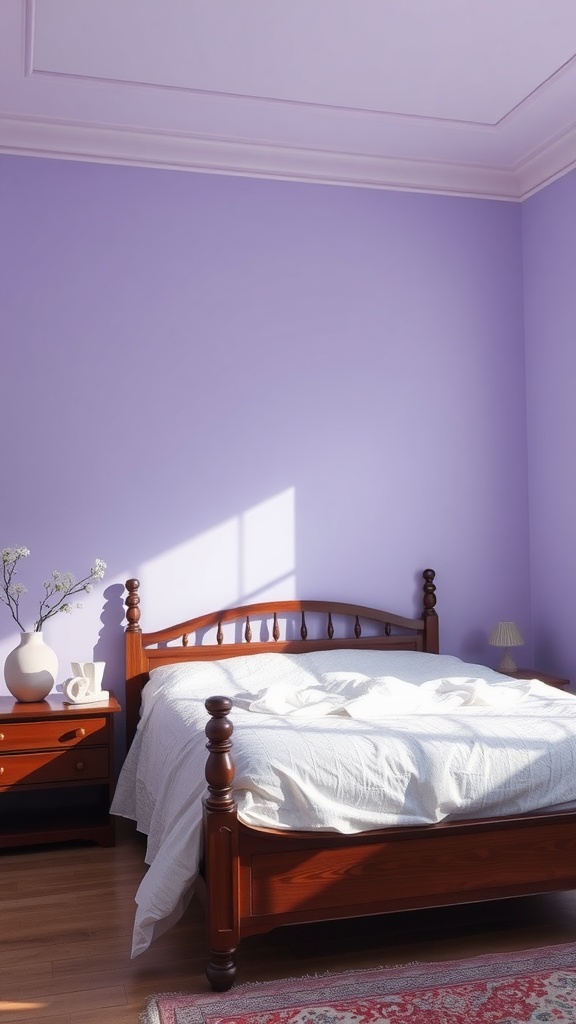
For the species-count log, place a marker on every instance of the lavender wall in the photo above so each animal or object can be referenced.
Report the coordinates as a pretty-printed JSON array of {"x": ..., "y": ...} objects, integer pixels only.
[
  {"x": 549, "y": 241},
  {"x": 234, "y": 387}
]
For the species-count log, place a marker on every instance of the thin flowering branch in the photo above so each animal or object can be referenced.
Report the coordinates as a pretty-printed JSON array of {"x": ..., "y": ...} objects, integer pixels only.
[
  {"x": 58, "y": 589},
  {"x": 11, "y": 592},
  {"x": 63, "y": 584}
]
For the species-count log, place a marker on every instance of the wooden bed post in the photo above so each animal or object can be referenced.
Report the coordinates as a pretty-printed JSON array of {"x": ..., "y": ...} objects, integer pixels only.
[
  {"x": 430, "y": 616},
  {"x": 136, "y": 667},
  {"x": 221, "y": 848}
]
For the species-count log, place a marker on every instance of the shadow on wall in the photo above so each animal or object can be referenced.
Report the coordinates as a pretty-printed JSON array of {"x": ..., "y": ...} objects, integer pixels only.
[
  {"x": 110, "y": 648},
  {"x": 110, "y": 644}
]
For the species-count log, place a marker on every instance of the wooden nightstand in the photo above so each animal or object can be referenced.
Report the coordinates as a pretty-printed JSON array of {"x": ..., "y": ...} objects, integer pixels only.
[
  {"x": 56, "y": 771},
  {"x": 546, "y": 677}
]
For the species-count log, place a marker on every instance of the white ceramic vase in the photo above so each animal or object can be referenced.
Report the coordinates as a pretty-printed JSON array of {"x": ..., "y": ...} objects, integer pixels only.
[{"x": 30, "y": 670}]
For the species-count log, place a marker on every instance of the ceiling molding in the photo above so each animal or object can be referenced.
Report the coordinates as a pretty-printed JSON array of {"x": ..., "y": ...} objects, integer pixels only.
[
  {"x": 547, "y": 163},
  {"x": 567, "y": 70},
  {"x": 42, "y": 137}
]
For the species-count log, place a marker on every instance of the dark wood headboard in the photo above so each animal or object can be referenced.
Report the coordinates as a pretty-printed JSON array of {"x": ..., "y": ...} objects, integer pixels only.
[{"x": 282, "y": 626}]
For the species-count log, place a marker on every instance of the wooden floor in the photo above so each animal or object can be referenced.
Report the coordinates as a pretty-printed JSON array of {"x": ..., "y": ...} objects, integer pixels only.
[{"x": 66, "y": 916}]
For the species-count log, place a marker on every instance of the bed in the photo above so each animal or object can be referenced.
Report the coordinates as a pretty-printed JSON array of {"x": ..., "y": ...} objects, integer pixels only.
[{"x": 255, "y": 877}]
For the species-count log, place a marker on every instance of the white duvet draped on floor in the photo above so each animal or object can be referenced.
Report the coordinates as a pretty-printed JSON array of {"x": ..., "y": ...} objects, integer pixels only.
[{"x": 342, "y": 741}]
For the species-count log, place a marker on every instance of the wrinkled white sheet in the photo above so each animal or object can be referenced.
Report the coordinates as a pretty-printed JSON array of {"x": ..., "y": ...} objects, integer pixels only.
[
  {"x": 340, "y": 741},
  {"x": 380, "y": 697}
]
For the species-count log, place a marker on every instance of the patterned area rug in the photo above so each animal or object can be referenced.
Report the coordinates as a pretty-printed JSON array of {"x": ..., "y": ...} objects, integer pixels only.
[{"x": 535, "y": 986}]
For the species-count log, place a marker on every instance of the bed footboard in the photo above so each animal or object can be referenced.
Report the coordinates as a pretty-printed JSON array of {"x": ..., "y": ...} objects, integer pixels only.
[{"x": 260, "y": 879}]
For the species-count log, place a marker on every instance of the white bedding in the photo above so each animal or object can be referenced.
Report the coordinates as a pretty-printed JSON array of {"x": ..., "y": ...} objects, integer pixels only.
[{"x": 341, "y": 741}]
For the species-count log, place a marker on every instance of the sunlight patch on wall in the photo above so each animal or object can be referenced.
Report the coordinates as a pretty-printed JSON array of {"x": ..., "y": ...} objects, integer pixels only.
[
  {"x": 249, "y": 557},
  {"x": 268, "y": 549}
]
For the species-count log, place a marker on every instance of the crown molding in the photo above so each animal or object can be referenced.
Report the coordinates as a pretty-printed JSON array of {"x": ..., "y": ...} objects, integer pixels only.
[
  {"x": 548, "y": 163},
  {"x": 67, "y": 140},
  {"x": 26, "y": 136}
]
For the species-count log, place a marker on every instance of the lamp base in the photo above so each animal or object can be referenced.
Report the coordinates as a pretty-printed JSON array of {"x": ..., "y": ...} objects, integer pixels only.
[{"x": 507, "y": 665}]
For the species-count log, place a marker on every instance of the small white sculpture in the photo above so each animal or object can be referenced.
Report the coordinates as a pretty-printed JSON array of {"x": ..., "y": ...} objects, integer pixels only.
[{"x": 85, "y": 686}]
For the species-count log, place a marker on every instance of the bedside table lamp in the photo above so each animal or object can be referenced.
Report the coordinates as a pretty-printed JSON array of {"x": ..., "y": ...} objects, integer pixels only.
[{"x": 506, "y": 634}]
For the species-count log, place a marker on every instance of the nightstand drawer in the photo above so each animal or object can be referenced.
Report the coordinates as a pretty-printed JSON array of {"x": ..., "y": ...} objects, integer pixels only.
[
  {"x": 54, "y": 766},
  {"x": 51, "y": 733}
]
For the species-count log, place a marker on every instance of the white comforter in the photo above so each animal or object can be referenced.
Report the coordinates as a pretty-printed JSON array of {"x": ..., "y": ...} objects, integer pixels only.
[{"x": 341, "y": 741}]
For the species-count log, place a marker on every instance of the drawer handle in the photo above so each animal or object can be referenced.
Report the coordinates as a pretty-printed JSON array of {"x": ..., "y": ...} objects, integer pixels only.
[
  {"x": 1, "y": 770},
  {"x": 80, "y": 765},
  {"x": 80, "y": 733},
  {"x": 2, "y": 736}
]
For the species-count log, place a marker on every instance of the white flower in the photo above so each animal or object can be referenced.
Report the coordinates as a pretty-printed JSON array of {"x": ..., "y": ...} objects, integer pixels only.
[
  {"x": 60, "y": 586},
  {"x": 10, "y": 555}
]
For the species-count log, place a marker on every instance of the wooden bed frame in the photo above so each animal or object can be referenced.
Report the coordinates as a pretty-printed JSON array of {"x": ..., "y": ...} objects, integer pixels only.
[{"x": 253, "y": 879}]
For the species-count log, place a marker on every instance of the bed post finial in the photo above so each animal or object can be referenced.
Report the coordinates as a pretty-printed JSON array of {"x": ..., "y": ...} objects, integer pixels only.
[
  {"x": 133, "y": 606},
  {"x": 429, "y": 592},
  {"x": 219, "y": 768},
  {"x": 430, "y": 616}
]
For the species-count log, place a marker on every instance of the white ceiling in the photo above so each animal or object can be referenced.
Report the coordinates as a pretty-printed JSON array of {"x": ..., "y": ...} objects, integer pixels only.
[{"x": 471, "y": 97}]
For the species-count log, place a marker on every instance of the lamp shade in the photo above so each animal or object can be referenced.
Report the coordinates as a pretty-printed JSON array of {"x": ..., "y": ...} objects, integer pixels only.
[{"x": 506, "y": 634}]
